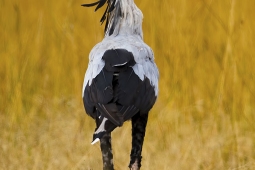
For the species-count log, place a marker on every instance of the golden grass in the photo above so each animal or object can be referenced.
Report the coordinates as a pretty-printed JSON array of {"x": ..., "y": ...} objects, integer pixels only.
[{"x": 204, "y": 116}]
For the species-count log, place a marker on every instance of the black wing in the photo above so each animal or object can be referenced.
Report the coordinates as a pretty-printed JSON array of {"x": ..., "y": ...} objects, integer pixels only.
[{"x": 117, "y": 92}]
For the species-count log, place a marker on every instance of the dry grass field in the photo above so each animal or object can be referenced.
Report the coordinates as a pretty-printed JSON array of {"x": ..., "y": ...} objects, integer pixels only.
[{"x": 204, "y": 118}]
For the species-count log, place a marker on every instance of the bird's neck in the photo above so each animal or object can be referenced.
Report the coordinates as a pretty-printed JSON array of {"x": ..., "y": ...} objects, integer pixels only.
[
  {"x": 126, "y": 29},
  {"x": 130, "y": 21}
]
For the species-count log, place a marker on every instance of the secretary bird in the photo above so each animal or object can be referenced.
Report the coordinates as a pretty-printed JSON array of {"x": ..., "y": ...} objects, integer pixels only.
[{"x": 121, "y": 81}]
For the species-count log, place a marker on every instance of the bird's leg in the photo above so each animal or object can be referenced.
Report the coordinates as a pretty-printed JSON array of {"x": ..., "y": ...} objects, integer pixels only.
[
  {"x": 138, "y": 131},
  {"x": 106, "y": 149}
]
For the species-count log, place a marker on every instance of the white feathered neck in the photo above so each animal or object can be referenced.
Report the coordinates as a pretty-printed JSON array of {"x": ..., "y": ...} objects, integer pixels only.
[{"x": 130, "y": 20}]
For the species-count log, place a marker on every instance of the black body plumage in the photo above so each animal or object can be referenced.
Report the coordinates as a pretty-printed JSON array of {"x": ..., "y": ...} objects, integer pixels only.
[{"x": 117, "y": 92}]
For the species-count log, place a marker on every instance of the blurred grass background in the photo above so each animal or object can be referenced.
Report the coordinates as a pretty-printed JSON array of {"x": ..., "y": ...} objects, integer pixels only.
[{"x": 204, "y": 116}]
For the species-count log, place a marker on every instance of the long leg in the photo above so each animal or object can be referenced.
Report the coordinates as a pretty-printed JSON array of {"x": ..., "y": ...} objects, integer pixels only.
[
  {"x": 138, "y": 131},
  {"x": 106, "y": 149}
]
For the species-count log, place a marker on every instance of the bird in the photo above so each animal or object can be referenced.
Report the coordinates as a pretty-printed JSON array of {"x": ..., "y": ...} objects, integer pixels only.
[{"x": 121, "y": 80}]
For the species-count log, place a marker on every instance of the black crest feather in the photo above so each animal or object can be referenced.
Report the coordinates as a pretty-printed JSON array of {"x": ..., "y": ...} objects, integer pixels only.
[
  {"x": 106, "y": 16},
  {"x": 89, "y": 5}
]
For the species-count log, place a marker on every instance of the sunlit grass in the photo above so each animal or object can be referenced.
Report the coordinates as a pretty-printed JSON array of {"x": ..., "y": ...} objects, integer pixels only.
[{"x": 204, "y": 116}]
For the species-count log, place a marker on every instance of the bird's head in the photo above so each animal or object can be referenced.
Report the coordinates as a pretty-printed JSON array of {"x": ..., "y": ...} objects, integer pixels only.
[{"x": 121, "y": 16}]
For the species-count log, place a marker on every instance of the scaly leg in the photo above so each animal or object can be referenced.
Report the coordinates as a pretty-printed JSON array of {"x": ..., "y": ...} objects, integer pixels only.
[
  {"x": 138, "y": 131},
  {"x": 106, "y": 149}
]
